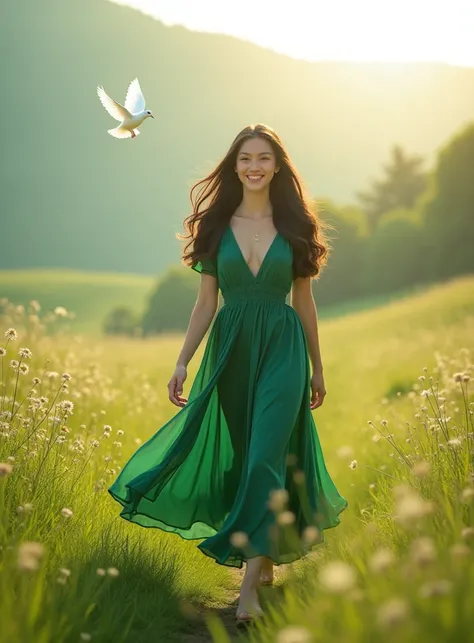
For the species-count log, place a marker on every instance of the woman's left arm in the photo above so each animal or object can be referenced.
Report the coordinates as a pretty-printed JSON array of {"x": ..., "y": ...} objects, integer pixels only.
[{"x": 303, "y": 302}]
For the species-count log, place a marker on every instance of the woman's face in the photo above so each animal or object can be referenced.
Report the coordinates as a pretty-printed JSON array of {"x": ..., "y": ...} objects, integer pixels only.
[{"x": 256, "y": 158}]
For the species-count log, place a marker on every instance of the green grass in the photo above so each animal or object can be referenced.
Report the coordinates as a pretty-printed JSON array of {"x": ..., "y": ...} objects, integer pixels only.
[
  {"x": 89, "y": 295},
  {"x": 372, "y": 364}
]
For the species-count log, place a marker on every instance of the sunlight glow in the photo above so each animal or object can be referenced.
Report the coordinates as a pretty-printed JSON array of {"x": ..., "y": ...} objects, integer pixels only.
[{"x": 367, "y": 30}]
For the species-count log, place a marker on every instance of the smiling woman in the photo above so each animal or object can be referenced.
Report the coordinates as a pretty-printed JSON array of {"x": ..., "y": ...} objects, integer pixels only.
[{"x": 241, "y": 461}]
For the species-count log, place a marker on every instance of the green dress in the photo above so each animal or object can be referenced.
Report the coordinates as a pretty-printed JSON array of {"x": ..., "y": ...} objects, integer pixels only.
[{"x": 246, "y": 429}]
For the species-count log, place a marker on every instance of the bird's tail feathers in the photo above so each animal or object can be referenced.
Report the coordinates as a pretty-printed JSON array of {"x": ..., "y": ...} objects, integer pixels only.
[{"x": 121, "y": 132}]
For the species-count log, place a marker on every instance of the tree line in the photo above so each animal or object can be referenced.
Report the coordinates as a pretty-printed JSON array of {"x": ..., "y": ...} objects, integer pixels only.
[{"x": 410, "y": 227}]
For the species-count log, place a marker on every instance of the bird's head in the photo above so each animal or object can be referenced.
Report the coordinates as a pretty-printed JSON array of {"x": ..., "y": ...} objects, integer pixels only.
[{"x": 148, "y": 114}]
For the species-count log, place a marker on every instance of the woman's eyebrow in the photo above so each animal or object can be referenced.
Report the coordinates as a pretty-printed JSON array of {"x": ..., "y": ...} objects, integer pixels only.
[{"x": 249, "y": 154}]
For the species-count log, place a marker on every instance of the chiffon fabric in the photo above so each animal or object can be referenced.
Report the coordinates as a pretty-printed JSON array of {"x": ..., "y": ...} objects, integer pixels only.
[{"x": 246, "y": 430}]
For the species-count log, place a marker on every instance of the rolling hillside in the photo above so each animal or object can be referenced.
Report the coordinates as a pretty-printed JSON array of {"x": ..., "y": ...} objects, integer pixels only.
[{"x": 73, "y": 197}]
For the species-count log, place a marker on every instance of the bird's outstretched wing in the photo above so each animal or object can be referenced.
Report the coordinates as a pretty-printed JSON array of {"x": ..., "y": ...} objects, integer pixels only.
[
  {"x": 116, "y": 110},
  {"x": 134, "y": 101}
]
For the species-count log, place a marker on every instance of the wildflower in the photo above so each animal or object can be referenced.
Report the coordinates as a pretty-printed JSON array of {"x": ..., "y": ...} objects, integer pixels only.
[
  {"x": 66, "y": 377},
  {"x": 468, "y": 533},
  {"x": 60, "y": 311},
  {"x": 423, "y": 550},
  {"x": 311, "y": 535},
  {"x": 94, "y": 443},
  {"x": 65, "y": 572},
  {"x": 299, "y": 477},
  {"x": 278, "y": 499},
  {"x": 14, "y": 364},
  {"x": 67, "y": 406},
  {"x": 466, "y": 377},
  {"x": 421, "y": 468},
  {"x": 66, "y": 513},
  {"x": 337, "y": 577},
  {"x": 286, "y": 518},
  {"x": 25, "y": 353},
  {"x": 353, "y": 464},
  {"x": 294, "y": 634},
  {"x": 345, "y": 451},
  {"x": 5, "y": 469},
  {"x": 457, "y": 377},
  {"x": 3, "y": 351},
  {"x": 454, "y": 442},
  {"x": 436, "y": 588},
  {"x": 239, "y": 539},
  {"x": 459, "y": 550},
  {"x": 117, "y": 444},
  {"x": 101, "y": 572},
  {"x": 29, "y": 555},
  {"x": 467, "y": 495},
  {"x": 24, "y": 369},
  {"x": 410, "y": 507},
  {"x": 11, "y": 334},
  {"x": 35, "y": 306},
  {"x": 113, "y": 572},
  {"x": 120, "y": 432},
  {"x": 85, "y": 636},
  {"x": 36, "y": 381},
  {"x": 382, "y": 560},
  {"x": 392, "y": 613}
]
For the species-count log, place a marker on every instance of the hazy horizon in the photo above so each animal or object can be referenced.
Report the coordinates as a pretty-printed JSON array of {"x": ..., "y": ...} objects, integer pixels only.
[{"x": 403, "y": 32}]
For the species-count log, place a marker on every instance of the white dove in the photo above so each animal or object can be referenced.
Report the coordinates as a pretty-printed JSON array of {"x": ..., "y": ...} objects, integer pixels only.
[{"x": 131, "y": 115}]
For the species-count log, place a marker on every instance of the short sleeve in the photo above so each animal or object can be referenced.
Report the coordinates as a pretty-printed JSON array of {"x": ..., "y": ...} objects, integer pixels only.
[{"x": 208, "y": 266}]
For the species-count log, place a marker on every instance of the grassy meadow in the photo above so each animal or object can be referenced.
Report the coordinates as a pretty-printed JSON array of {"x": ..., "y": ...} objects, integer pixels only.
[
  {"x": 87, "y": 295},
  {"x": 396, "y": 427}
]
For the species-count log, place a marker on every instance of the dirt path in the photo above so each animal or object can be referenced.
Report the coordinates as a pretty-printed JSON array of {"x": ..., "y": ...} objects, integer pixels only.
[{"x": 197, "y": 631}]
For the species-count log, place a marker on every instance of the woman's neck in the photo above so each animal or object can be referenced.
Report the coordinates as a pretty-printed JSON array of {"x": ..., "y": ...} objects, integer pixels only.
[{"x": 255, "y": 206}]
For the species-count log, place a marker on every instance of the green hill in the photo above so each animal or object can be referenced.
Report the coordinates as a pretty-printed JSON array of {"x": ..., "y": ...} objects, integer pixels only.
[
  {"x": 89, "y": 296},
  {"x": 74, "y": 197}
]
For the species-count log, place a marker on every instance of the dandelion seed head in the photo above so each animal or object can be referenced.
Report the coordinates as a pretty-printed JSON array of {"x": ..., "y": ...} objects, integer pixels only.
[
  {"x": 337, "y": 577},
  {"x": 421, "y": 468},
  {"x": 66, "y": 513},
  {"x": 11, "y": 334},
  {"x": 239, "y": 539},
  {"x": 382, "y": 560},
  {"x": 353, "y": 464},
  {"x": 423, "y": 550},
  {"x": 392, "y": 613},
  {"x": 24, "y": 369},
  {"x": 278, "y": 499},
  {"x": 3, "y": 351},
  {"x": 294, "y": 634},
  {"x": 25, "y": 353},
  {"x": 5, "y": 469},
  {"x": 286, "y": 518},
  {"x": 468, "y": 533},
  {"x": 460, "y": 550},
  {"x": 113, "y": 572},
  {"x": 29, "y": 555},
  {"x": 436, "y": 588}
]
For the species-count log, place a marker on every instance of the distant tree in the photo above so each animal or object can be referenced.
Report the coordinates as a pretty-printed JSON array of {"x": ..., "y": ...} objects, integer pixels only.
[
  {"x": 121, "y": 321},
  {"x": 400, "y": 187},
  {"x": 449, "y": 214},
  {"x": 339, "y": 278},
  {"x": 171, "y": 303}
]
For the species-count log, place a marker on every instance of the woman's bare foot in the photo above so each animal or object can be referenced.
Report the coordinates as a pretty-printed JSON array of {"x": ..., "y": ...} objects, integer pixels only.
[
  {"x": 266, "y": 571},
  {"x": 249, "y": 605}
]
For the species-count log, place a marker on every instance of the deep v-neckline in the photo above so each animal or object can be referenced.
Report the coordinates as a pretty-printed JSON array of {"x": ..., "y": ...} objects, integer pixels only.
[{"x": 254, "y": 276}]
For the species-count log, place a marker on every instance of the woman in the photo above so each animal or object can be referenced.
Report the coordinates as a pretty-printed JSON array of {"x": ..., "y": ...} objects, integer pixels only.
[{"x": 240, "y": 465}]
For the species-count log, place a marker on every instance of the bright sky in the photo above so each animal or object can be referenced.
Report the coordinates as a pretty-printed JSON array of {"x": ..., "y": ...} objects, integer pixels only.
[{"x": 355, "y": 30}]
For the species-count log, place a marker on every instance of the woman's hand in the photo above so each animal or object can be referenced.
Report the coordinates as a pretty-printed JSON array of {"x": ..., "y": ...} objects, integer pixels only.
[
  {"x": 175, "y": 386},
  {"x": 318, "y": 390}
]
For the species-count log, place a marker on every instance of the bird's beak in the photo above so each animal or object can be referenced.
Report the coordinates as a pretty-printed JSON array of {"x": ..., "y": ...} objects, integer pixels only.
[{"x": 152, "y": 115}]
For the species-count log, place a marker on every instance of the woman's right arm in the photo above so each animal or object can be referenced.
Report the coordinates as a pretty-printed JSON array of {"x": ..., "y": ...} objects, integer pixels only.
[{"x": 199, "y": 322}]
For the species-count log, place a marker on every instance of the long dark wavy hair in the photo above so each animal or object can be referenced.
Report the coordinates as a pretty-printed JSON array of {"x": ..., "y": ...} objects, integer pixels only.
[{"x": 293, "y": 216}]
